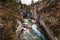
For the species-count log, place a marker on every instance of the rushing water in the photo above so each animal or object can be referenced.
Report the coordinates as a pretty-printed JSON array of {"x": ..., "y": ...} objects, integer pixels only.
[
  {"x": 37, "y": 32},
  {"x": 31, "y": 34}
]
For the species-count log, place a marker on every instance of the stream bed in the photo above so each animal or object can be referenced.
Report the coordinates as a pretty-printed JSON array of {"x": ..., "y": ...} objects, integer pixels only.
[{"x": 31, "y": 31}]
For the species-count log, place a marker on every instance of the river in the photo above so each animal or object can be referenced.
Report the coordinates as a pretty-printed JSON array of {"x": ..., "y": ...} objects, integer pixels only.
[{"x": 31, "y": 34}]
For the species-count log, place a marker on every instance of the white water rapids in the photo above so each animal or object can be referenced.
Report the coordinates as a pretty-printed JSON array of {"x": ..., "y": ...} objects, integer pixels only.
[{"x": 29, "y": 34}]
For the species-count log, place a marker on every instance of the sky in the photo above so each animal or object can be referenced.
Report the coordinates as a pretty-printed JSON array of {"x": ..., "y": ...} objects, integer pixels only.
[{"x": 27, "y": 1}]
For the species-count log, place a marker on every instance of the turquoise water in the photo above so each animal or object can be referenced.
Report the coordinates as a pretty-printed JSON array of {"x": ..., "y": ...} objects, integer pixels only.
[{"x": 35, "y": 33}]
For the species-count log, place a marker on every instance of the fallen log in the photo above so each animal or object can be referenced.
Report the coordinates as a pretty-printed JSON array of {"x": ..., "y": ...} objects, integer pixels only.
[{"x": 48, "y": 31}]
